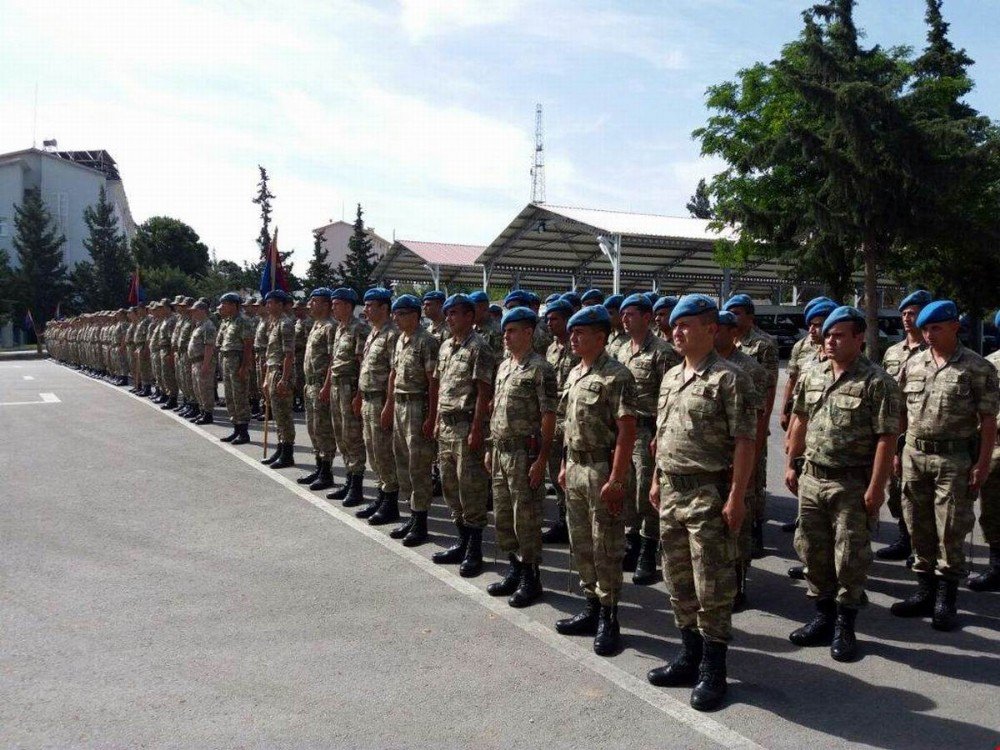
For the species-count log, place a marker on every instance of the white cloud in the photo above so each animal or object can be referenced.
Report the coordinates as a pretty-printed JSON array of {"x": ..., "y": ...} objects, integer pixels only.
[{"x": 422, "y": 19}]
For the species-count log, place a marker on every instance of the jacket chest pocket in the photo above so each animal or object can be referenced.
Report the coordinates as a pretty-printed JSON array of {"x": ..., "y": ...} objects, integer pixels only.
[
  {"x": 845, "y": 409},
  {"x": 953, "y": 387},
  {"x": 587, "y": 399},
  {"x": 703, "y": 400},
  {"x": 915, "y": 391}
]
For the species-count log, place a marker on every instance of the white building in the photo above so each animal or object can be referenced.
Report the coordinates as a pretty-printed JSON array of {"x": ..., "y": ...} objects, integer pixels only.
[
  {"x": 69, "y": 182},
  {"x": 337, "y": 235}
]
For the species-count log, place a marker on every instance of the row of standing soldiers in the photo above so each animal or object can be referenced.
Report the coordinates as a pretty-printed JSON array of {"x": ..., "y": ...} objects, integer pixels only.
[{"x": 650, "y": 416}]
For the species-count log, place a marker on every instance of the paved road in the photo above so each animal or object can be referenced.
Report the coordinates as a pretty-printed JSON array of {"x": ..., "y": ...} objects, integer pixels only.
[{"x": 158, "y": 589}]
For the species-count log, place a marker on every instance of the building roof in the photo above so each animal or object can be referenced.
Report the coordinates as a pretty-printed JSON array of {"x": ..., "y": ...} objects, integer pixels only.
[{"x": 98, "y": 159}]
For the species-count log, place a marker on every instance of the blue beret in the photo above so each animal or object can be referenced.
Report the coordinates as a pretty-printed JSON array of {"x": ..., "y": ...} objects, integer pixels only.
[
  {"x": 559, "y": 306},
  {"x": 653, "y": 297},
  {"x": 322, "y": 291},
  {"x": 996, "y": 320},
  {"x": 844, "y": 314},
  {"x": 346, "y": 294},
  {"x": 739, "y": 300},
  {"x": 378, "y": 294},
  {"x": 919, "y": 298},
  {"x": 458, "y": 299},
  {"x": 692, "y": 304},
  {"x": 434, "y": 294},
  {"x": 231, "y": 297},
  {"x": 552, "y": 298},
  {"x": 517, "y": 296},
  {"x": 478, "y": 296},
  {"x": 614, "y": 301},
  {"x": 517, "y": 314},
  {"x": 495, "y": 308},
  {"x": 405, "y": 303},
  {"x": 665, "y": 303},
  {"x": 726, "y": 318},
  {"x": 938, "y": 311},
  {"x": 592, "y": 295},
  {"x": 533, "y": 298},
  {"x": 279, "y": 294},
  {"x": 595, "y": 315},
  {"x": 819, "y": 309},
  {"x": 639, "y": 300},
  {"x": 573, "y": 298}
]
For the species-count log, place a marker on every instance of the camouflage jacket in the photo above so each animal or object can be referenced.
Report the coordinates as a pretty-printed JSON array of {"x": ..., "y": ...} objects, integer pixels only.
[
  {"x": 758, "y": 375},
  {"x": 804, "y": 354},
  {"x": 490, "y": 330},
  {"x": 202, "y": 334},
  {"x": 232, "y": 333},
  {"x": 460, "y": 366},
  {"x": 648, "y": 365},
  {"x": 377, "y": 360},
  {"x": 897, "y": 355},
  {"x": 525, "y": 391},
  {"x": 414, "y": 361},
  {"x": 280, "y": 341},
  {"x": 348, "y": 347},
  {"x": 763, "y": 348},
  {"x": 563, "y": 361},
  {"x": 319, "y": 350},
  {"x": 594, "y": 399}
]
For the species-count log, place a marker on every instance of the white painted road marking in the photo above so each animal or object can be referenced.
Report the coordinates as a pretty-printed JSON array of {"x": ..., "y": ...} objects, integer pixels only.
[
  {"x": 28, "y": 377},
  {"x": 47, "y": 398},
  {"x": 584, "y": 657}
]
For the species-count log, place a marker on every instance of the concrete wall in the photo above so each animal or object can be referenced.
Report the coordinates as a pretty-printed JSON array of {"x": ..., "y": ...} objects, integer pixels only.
[
  {"x": 11, "y": 193},
  {"x": 338, "y": 235}
]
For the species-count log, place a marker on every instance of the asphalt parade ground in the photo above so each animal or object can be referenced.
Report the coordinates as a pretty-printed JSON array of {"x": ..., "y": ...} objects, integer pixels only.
[{"x": 159, "y": 588}]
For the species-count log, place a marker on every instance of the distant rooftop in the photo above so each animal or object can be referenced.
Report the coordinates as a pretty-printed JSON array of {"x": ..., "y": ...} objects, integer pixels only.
[{"x": 100, "y": 160}]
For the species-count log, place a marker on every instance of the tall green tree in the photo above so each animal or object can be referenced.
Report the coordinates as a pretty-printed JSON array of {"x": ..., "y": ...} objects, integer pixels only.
[
  {"x": 7, "y": 296},
  {"x": 102, "y": 282},
  {"x": 40, "y": 281},
  {"x": 167, "y": 281},
  {"x": 163, "y": 242},
  {"x": 263, "y": 199},
  {"x": 319, "y": 272},
  {"x": 357, "y": 269},
  {"x": 700, "y": 204}
]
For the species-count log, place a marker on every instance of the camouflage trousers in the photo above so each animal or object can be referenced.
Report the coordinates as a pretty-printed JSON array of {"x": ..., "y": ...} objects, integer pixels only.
[
  {"x": 894, "y": 496},
  {"x": 596, "y": 538},
  {"x": 155, "y": 360},
  {"x": 378, "y": 442},
  {"x": 413, "y": 452},
  {"x": 938, "y": 510},
  {"x": 642, "y": 518},
  {"x": 145, "y": 367},
  {"x": 280, "y": 406},
  {"x": 464, "y": 481},
  {"x": 758, "y": 502},
  {"x": 318, "y": 423},
  {"x": 122, "y": 359},
  {"x": 182, "y": 371},
  {"x": 833, "y": 540},
  {"x": 234, "y": 388},
  {"x": 516, "y": 507},
  {"x": 204, "y": 385},
  {"x": 699, "y": 555},
  {"x": 555, "y": 464},
  {"x": 744, "y": 541},
  {"x": 346, "y": 425},
  {"x": 253, "y": 382},
  {"x": 300, "y": 376},
  {"x": 168, "y": 373},
  {"x": 989, "y": 505}
]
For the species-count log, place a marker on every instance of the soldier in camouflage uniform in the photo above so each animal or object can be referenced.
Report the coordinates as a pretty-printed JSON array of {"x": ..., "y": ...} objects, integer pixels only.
[
  {"x": 279, "y": 377},
  {"x": 303, "y": 322},
  {"x": 437, "y": 327},
  {"x": 706, "y": 426},
  {"x": 465, "y": 372},
  {"x": 251, "y": 312},
  {"x": 182, "y": 365},
  {"x": 486, "y": 325},
  {"x": 345, "y": 368},
  {"x": 989, "y": 509},
  {"x": 316, "y": 388},
  {"x": 951, "y": 420},
  {"x": 157, "y": 315},
  {"x": 200, "y": 356},
  {"x": 806, "y": 352},
  {"x": 561, "y": 357},
  {"x": 646, "y": 357},
  {"x": 847, "y": 418},
  {"x": 592, "y": 297},
  {"x": 120, "y": 348},
  {"x": 522, "y": 426},
  {"x": 234, "y": 344},
  {"x": 725, "y": 347},
  {"x": 376, "y": 364},
  {"x": 260, "y": 336},
  {"x": 600, "y": 407},
  {"x": 141, "y": 351},
  {"x": 410, "y": 413},
  {"x": 894, "y": 362},
  {"x": 542, "y": 337},
  {"x": 130, "y": 356},
  {"x": 168, "y": 373},
  {"x": 619, "y": 336},
  {"x": 764, "y": 349},
  {"x": 661, "y": 316}
]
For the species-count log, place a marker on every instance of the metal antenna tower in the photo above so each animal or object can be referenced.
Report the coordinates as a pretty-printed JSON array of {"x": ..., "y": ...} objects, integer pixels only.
[{"x": 538, "y": 167}]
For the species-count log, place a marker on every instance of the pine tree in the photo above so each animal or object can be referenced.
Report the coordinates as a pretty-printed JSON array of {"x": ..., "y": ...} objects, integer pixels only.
[
  {"x": 263, "y": 199},
  {"x": 319, "y": 272},
  {"x": 357, "y": 270},
  {"x": 40, "y": 281},
  {"x": 102, "y": 283},
  {"x": 700, "y": 205}
]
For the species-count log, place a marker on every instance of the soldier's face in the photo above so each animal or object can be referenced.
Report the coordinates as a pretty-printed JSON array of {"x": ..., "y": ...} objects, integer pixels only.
[
  {"x": 432, "y": 309},
  {"x": 941, "y": 335},
  {"x": 909, "y": 318},
  {"x": 692, "y": 334},
  {"x": 816, "y": 330},
  {"x": 518, "y": 337},
  {"x": 319, "y": 307},
  {"x": 586, "y": 341},
  {"x": 273, "y": 307},
  {"x": 725, "y": 337},
  {"x": 663, "y": 320},
  {"x": 744, "y": 319},
  {"x": 842, "y": 343},
  {"x": 407, "y": 320},
  {"x": 635, "y": 320},
  {"x": 557, "y": 325},
  {"x": 459, "y": 319},
  {"x": 375, "y": 311},
  {"x": 342, "y": 310}
]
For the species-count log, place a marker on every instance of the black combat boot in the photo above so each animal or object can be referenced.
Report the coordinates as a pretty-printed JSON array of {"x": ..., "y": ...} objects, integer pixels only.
[
  {"x": 244, "y": 435},
  {"x": 899, "y": 549},
  {"x": 369, "y": 510},
  {"x": 341, "y": 492},
  {"x": 711, "y": 688},
  {"x": 740, "y": 600},
  {"x": 403, "y": 529},
  {"x": 324, "y": 480},
  {"x": 147, "y": 391},
  {"x": 287, "y": 457},
  {"x": 436, "y": 490},
  {"x": 530, "y": 588},
  {"x": 645, "y": 568},
  {"x": 188, "y": 410},
  {"x": 170, "y": 403},
  {"x": 297, "y": 406},
  {"x": 798, "y": 572},
  {"x": 456, "y": 552},
  {"x": 511, "y": 578},
  {"x": 683, "y": 670},
  {"x": 356, "y": 493},
  {"x": 388, "y": 511},
  {"x": 845, "y": 644},
  {"x": 206, "y": 418},
  {"x": 608, "y": 636},
  {"x": 232, "y": 435},
  {"x": 631, "y": 559},
  {"x": 989, "y": 579},
  {"x": 557, "y": 533},
  {"x": 819, "y": 630},
  {"x": 306, "y": 478},
  {"x": 472, "y": 564},
  {"x": 584, "y": 623},
  {"x": 278, "y": 451},
  {"x": 921, "y": 602},
  {"x": 757, "y": 540},
  {"x": 179, "y": 405},
  {"x": 945, "y": 609},
  {"x": 417, "y": 534},
  {"x": 195, "y": 416}
]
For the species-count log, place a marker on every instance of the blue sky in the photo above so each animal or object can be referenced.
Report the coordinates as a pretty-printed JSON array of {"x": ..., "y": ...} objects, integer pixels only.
[{"x": 422, "y": 110}]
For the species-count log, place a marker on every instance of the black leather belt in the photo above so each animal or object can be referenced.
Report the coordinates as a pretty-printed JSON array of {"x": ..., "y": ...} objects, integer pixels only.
[
  {"x": 404, "y": 397},
  {"x": 941, "y": 447},
  {"x": 456, "y": 417},
  {"x": 836, "y": 472},
  {"x": 689, "y": 482}
]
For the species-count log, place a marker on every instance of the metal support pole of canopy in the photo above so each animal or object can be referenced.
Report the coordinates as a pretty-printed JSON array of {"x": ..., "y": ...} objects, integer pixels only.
[{"x": 612, "y": 249}]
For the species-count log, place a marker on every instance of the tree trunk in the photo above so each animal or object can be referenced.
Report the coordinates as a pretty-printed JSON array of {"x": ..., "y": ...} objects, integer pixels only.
[{"x": 870, "y": 251}]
